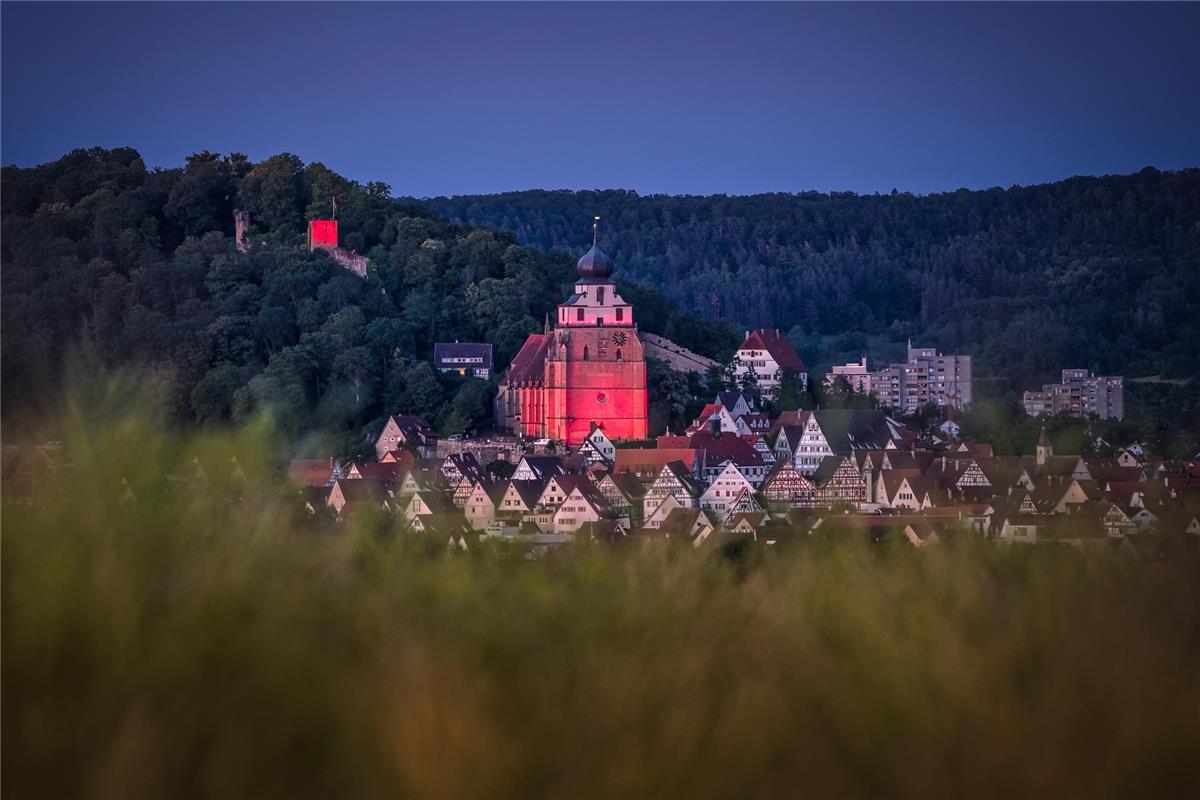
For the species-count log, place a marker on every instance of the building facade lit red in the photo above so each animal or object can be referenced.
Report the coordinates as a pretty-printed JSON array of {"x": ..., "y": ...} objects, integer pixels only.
[
  {"x": 589, "y": 370},
  {"x": 322, "y": 233}
]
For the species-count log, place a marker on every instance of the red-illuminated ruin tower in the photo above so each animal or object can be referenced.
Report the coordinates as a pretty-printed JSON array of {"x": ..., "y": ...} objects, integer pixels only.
[{"x": 591, "y": 369}]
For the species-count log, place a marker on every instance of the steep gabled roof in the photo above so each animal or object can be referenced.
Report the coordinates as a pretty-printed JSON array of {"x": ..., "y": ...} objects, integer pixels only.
[
  {"x": 588, "y": 491},
  {"x": 726, "y": 447},
  {"x": 361, "y": 490},
  {"x": 384, "y": 472},
  {"x": 1055, "y": 465},
  {"x": 652, "y": 459},
  {"x": 791, "y": 418},
  {"x": 629, "y": 485},
  {"x": 543, "y": 466},
  {"x": 847, "y": 429},
  {"x": 771, "y": 340},
  {"x": 1109, "y": 469},
  {"x": 730, "y": 399},
  {"x": 792, "y": 435},
  {"x": 684, "y": 476},
  {"x": 826, "y": 469},
  {"x": 412, "y": 424},
  {"x": 528, "y": 365},
  {"x": 438, "y": 502},
  {"x": 529, "y": 491},
  {"x": 310, "y": 471},
  {"x": 567, "y": 483},
  {"x": 892, "y": 479}
]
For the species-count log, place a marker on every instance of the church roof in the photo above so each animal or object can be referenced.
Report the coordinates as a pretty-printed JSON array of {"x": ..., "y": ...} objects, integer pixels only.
[
  {"x": 529, "y": 363},
  {"x": 594, "y": 264}
]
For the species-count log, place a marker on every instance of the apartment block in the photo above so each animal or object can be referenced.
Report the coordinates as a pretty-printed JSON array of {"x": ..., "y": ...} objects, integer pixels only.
[
  {"x": 1080, "y": 394},
  {"x": 926, "y": 377}
]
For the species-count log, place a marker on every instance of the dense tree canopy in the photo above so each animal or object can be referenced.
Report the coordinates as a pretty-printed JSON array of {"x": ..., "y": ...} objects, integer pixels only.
[
  {"x": 1102, "y": 273},
  {"x": 131, "y": 266}
]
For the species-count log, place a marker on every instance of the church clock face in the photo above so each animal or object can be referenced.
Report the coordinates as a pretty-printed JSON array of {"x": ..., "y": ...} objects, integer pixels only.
[{"x": 619, "y": 337}]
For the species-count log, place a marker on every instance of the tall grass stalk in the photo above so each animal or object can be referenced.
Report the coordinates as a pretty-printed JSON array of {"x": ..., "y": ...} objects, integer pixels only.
[{"x": 178, "y": 644}]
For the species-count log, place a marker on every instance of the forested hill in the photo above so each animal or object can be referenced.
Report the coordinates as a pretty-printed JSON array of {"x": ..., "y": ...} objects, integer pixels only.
[
  {"x": 1088, "y": 272},
  {"x": 134, "y": 267}
]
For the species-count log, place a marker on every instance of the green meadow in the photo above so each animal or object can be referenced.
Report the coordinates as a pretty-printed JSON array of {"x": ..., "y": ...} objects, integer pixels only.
[{"x": 172, "y": 634}]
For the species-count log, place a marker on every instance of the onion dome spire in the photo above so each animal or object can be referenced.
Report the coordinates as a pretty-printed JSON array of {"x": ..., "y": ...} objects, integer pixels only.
[{"x": 594, "y": 263}]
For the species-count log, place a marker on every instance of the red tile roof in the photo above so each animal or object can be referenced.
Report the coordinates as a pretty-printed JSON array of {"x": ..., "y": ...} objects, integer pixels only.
[
  {"x": 771, "y": 340},
  {"x": 382, "y": 471},
  {"x": 642, "y": 460},
  {"x": 310, "y": 471},
  {"x": 528, "y": 366}
]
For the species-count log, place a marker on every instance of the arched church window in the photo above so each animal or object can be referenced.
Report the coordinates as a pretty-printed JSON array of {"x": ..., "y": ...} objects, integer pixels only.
[
  {"x": 620, "y": 314},
  {"x": 579, "y": 315},
  {"x": 600, "y": 295},
  {"x": 618, "y": 354},
  {"x": 585, "y": 353}
]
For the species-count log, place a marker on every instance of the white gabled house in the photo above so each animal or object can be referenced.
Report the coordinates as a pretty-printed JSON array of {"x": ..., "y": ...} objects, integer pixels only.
[
  {"x": 745, "y": 505},
  {"x": 583, "y": 505},
  {"x": 721, "y": 494},
  {"x": 785, "y": 486},
  {"x": 538, "y": 468},
  {"x": 403, "y": 430},
  {"x": 597, "y": 447},
  {"x": 558, "y": 489},
  {"x": 658, "y": 515},
  {"x": 674, "y": 480},
  {"x": 426, "y": 503},
  {"x": 482, "y": 503},
  {"x": 519, "y": 498}
]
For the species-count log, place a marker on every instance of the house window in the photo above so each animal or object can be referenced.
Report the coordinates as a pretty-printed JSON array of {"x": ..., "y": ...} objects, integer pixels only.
[{"x": 585, "y": 353}]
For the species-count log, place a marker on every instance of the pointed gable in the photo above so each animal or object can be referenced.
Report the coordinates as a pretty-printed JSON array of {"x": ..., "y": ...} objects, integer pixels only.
[
  {"x": 745, "y": 504},
  {"x": 785, "y": 484},
  {"x": 538, "y": 468},
  {"x": 558, "y": 489},
  {"x": 520, "y": 497},
  {"x": 728, "y": 485},
  {"x": 773, "y": 342}
]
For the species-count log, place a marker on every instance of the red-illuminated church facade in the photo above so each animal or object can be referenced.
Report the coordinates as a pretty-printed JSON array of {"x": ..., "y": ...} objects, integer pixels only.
[{"x": 589, "y": 370}]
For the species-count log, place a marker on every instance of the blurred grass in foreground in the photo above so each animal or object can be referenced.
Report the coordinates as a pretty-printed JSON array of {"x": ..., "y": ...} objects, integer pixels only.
[{"x": 183, "y": 646}]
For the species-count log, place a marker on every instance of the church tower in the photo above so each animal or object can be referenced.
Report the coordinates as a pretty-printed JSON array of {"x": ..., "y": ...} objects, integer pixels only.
[
  {"x": 595, "y": 364},
  {"x": 590, "y": 370},
  {"x": 1044, "y": 449}
]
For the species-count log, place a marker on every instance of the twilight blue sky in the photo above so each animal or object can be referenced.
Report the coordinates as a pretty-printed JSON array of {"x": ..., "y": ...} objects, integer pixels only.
[{"x": 677, "y": 97}]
